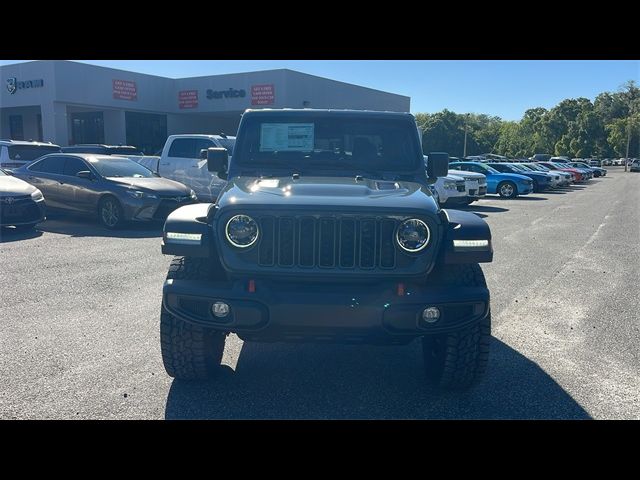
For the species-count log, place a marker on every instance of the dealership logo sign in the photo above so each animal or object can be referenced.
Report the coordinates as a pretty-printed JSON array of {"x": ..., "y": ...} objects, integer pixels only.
[
  {"x": 231, "y": 93},
  {"x": 13, "y": 84},
  {"x": 7, "y": 200}
]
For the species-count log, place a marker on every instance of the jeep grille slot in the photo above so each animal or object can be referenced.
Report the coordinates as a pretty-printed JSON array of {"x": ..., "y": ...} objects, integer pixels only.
[{"x": 345, "y": 242}]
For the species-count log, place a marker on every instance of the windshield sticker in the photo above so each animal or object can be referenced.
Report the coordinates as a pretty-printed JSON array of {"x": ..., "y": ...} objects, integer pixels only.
[{"x": 283, "y": 137}]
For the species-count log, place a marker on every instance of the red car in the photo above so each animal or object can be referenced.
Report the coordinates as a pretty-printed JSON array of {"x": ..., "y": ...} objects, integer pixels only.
[{"x": 577, "y": 175}]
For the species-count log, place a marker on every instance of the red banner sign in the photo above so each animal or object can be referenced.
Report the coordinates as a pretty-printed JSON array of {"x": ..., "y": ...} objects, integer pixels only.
[
  {"x": 125, "y": 90},
  {"x": 262, "y": 94},
  {"x": 188, "y": 99}
]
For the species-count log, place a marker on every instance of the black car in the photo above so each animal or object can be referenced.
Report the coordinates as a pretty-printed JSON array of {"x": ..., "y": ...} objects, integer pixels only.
[
  {"x": 21, "y": 205},
  {"x": 115, "y": 189},
  {"x": 326, "y": 231}
]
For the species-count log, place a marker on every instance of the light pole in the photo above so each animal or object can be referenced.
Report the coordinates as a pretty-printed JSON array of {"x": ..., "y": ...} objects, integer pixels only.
[{"x": 466, "y": 124}]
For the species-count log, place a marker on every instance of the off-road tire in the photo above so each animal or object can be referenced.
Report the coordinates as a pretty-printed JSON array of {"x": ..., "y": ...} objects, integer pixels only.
[
  {"x": 189, "y": 352},
  {"x": 457, "y": 360}
]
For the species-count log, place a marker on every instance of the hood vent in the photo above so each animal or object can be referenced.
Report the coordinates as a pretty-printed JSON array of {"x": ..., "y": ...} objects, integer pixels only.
[{"x": 387, "y": 185}]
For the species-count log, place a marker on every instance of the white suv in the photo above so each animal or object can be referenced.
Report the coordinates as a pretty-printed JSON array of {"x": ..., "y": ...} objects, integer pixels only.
[{"x": 16, "y": 153}]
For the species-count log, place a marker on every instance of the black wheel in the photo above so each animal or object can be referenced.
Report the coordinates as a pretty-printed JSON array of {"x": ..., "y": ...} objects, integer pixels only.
[
  {"x": 189, "y": 352},
  {"x": 507, "y": 190},
  {"x": 110, "y": 213},
  {"x": 457, "y": 360}
]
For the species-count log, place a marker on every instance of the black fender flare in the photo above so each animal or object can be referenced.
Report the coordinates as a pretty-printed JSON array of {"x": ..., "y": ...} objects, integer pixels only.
[
  {"x": 195, "y": 219},
  {"x": 466, "y": 226}
]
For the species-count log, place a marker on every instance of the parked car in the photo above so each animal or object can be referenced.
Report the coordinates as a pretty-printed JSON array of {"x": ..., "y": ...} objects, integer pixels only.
[
  {"x": 635, "y": 166},
  {"x": 181, "y": 160},
  {"x": 21, "y": 205},
  {"x": 101, "y": 149},
  {"x": 566, "y": 178},
  {"x": 541, "y": 181},
  {"x": 16, "y": 153},
  {"x": 475, "y": 184},
  {"x": 587, "y": 173},
  {"x": 597, "y": 171},
  {"x": 592, "y": 162},
  {"x": 352, "y": 248},
  {"x": 579, "y": 175},
  {"x": 606, "y": 162},
  {"x": 507, "y": 185},
  {"x": 115, "y": 189},
  {"x": 555, "y": 179},
  {"x": 448, "y": 190},
  {"x": 540, "y": 157}
]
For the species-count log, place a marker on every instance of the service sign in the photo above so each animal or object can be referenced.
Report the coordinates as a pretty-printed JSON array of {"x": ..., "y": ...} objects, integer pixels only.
[
  {"x": 187, "y": 99},
  {"x": 125, "y": 90},
  {"x": 263, "y": 94}
]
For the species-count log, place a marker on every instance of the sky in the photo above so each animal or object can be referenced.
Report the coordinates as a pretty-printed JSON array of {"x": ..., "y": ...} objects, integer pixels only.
[{"x": 505, "y": 88}]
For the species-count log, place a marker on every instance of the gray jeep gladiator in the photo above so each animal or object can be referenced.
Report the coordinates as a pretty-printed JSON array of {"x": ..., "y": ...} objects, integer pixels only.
[{"x": 327, "y": 231}]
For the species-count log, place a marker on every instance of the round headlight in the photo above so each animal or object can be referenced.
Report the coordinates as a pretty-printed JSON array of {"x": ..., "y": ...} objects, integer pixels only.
[
  {"x": 242, "y": 231},
  {"x": 413, "y": 235}
]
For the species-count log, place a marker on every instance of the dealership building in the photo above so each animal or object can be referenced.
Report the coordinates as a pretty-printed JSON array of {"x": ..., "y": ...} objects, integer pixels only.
[{"x": 67, "y": 102}]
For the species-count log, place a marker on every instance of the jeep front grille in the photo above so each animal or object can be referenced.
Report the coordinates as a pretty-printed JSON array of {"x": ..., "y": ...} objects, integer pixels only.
[{"x": 346, "y": 242}]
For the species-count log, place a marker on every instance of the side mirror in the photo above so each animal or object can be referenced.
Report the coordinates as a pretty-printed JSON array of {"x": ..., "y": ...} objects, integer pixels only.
[
  {"x": 437, "y": 166},
  {"x": 85, "y": 174},
  {"x": 218, "y": 161}
]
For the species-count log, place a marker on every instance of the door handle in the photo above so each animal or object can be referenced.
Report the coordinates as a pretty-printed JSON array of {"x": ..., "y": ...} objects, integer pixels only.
[{"x": 165, "y": 164}]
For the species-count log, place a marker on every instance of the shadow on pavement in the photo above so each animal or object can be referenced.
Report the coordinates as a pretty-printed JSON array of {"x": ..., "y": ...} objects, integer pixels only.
[
  {"x": 15, "y": 234},
  {"x": 87, "y": 227},
  {"x": 307, "y": 381}
]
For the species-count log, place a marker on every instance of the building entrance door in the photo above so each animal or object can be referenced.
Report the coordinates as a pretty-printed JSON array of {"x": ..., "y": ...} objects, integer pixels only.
[
  {"x": 87, "y": 127},
  {"x": 146, "y": 131}
]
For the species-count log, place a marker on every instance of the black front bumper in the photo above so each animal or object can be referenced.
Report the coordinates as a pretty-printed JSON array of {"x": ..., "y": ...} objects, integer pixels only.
[
  {"x": 22, "y": 212},
  {"x": 345, "y": 313}
]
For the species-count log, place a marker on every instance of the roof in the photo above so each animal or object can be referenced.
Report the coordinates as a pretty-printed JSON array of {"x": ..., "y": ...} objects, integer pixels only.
[
  {"x": 27, "y": 142},
  {"x": 321, "y": 112}
]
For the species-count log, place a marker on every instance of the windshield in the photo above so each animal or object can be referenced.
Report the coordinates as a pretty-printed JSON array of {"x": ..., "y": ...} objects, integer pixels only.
[
  {"x": 482, "y": 166},
  {"x": 31, "y": 152},
  {"x": 119, "y": 167},
  {"x": 540, "y": 168},
  {"x": 330, "y": 143},
  {"x": 523, "y": 168}
]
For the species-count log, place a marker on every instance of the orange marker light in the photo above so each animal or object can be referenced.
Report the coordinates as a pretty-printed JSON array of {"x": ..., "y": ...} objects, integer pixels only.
[
  {"x": 252, "y": 286},
  {"x": 401, "y": 289}
]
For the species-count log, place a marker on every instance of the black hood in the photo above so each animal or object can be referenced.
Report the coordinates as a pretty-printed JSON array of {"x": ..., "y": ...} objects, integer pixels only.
[
  {"x": 161, "y": 186},
  {"x": 329, "y": 192},
  {"x": 10, "y": 186}
]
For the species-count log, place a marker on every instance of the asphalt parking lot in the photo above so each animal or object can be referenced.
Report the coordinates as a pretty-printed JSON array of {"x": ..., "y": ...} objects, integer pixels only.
[{"x": 79, "y": 335}]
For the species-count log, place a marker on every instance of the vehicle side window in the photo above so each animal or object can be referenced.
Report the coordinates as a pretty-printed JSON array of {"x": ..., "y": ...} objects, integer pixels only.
[
  {"x": 189, "y": 147},
  {"x": 201, "y": 144},
  {"x": 73, "y": 165},
  {"x": 53, "y": 165},
  {"x": 182, "y": 147}
]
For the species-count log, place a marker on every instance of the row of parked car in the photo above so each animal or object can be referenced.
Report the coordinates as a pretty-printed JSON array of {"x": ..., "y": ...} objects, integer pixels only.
[
  {"x": 119, "y": 184},
  {"x": 471, "y": 179}
]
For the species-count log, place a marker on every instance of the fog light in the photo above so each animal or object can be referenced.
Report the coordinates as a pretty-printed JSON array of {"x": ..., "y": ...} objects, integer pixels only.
[
  {"x": 431, "y": 314},
  {"x": 220, "y": 309}
]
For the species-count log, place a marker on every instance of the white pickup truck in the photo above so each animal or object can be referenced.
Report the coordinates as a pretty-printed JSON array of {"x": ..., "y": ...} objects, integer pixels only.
[{"x": 180, "y": 161}]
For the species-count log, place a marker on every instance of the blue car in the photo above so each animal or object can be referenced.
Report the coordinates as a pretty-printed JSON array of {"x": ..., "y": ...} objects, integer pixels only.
[{"x": 507, "y": 185}]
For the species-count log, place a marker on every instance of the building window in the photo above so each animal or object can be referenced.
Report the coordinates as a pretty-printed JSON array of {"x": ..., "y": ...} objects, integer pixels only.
[
  {"x": 16, "y": 131},
  {"x": 146, "y": 131},
  {"x": 87, "y": 127},
  {"x": 40, "y": 136}
]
